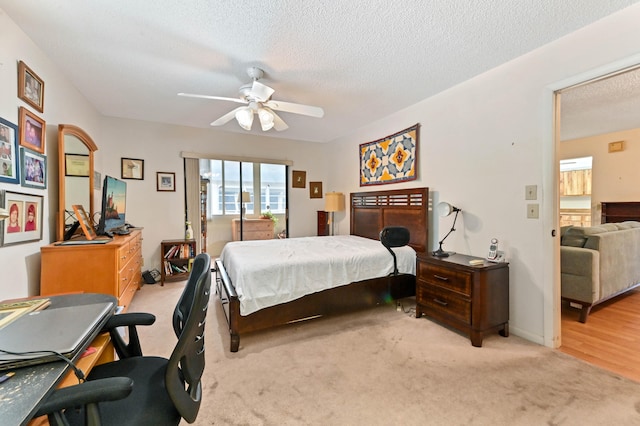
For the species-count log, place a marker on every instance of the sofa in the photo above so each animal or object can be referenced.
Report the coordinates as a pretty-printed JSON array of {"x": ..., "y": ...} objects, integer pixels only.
[{"x": 599, "y": 262}]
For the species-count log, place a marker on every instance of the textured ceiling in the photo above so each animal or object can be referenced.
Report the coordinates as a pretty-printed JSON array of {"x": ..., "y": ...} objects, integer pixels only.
[
  {"x": 359, "y": 60},
  {"x": 604, "y": 106}
]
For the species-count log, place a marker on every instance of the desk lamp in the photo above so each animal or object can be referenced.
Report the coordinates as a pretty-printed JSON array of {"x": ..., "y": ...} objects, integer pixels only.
[
  {"x": 444, "y": 210},
  {"x": 334, "y": 202}
]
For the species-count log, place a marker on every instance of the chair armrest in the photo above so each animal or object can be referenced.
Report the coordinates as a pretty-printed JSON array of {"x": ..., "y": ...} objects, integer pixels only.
[
  {"x": 85, "y": 394},
  {"x": 130, "y": 320},
  {"x": 580, "y": 273}
]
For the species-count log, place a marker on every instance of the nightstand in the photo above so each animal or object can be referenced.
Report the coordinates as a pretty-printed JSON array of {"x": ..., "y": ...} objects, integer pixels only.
[{"x": 473, "y": 299}]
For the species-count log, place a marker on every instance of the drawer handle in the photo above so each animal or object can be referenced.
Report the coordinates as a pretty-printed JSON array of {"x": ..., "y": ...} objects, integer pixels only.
[
  {"x": 440, "y": 302},
  {"x": 441, "y": 278}
]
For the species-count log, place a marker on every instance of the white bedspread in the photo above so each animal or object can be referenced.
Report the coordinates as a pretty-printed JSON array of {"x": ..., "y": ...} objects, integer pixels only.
[{"x": 269, "y": 272}]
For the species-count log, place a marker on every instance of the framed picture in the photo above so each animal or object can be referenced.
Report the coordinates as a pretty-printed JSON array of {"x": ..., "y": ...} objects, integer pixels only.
[
  {"x": 32, "y": 130},
  {"x": 9, "y": 160},
  {"x": 166, "y": 181},
  {"x": 315, "y": 189},
  {"x": 299, "y": 179},
  {"x": 76, "y": 165},
  {"x": 132, "y": 168},
  {"x": 30, "y": 87},
  {"x": 34, "y": 169},
  {"x": 24, "y": 223},
  {"x": 392, "y": 159},
  {"x": 85, "y": 222}
]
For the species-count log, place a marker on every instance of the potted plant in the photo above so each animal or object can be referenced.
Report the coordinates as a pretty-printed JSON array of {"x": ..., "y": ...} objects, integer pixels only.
[{"x": 269, "y": 215}]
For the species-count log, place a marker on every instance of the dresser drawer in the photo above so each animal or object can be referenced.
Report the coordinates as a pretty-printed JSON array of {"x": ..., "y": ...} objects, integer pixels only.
[
  {"x": 459, "y": 281},
  {"x": 441, "y": 303}
]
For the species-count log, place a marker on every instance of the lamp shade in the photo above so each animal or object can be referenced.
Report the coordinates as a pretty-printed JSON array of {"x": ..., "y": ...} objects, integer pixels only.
[
  {"x": 4, "y": 214},
  {"x": 266, "y": 119},
  {"x": 245, "y": 117},
  {"x": 334, "y": 202},
  {"x": 445, "y": 209},
  {"x": 244, "y": 197}
]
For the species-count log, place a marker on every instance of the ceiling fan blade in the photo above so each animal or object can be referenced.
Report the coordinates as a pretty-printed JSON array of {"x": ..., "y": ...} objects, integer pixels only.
[
  {"x": 218, "y": 98},
  {"x": 226, "y": 118},
  {"x": 278, "y": 123},
  {"x": 309, "y": 110},
  {"x": 261, "y": 92}
]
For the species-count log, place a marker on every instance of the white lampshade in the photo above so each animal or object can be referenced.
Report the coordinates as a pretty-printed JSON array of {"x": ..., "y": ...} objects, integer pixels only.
[
  {"x": 245, "y": 118},
  {"x": 334, "y": 202},
  {"x": 445, "y": 209},
  {"x": 244, "y": 197},
  {"x": 266, "y": 119},
  {"x": 4, "y": 214}
]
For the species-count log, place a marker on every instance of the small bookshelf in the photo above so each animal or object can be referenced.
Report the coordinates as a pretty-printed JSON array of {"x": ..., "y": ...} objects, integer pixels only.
[{"x": 177, "y": 258}]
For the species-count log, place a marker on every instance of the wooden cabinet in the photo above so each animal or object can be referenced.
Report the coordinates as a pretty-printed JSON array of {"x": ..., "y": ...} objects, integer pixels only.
[
  {"x": 575, "y": 182},
  {"x": 176, "y": 259},
  {"x": 112, "y": 268},
  {"x": 471, "y": 299},
  {"x": 323, "y": 223},
  {"x": 620, "y": 211},
  {"x": 252, "y": 229}
]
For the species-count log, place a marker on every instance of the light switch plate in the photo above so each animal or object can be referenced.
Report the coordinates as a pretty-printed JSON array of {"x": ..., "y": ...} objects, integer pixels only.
[
  {"x": 533, "y": 211},
  {"x": 531, "y": 192}
]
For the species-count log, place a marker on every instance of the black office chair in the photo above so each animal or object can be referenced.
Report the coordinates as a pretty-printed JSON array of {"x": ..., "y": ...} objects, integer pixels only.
[
  {"x": 144, "y": 390},
  {"x": 394, "y": 236}
]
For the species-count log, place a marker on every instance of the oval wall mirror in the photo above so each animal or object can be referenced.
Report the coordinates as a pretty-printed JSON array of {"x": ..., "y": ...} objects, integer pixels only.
[{"x": 75, "y": 175}]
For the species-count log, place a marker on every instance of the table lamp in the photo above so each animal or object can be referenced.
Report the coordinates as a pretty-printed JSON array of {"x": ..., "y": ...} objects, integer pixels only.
[
  {"x": 444, "y": 210},
  {"x": 4, "y": 214},
  {"x": 334, "y": 202},
  {"x": 244, "y": 197}
]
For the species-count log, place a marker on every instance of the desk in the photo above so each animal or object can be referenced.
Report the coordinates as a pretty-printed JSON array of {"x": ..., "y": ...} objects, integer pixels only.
[{"x": 21, "y": 395}]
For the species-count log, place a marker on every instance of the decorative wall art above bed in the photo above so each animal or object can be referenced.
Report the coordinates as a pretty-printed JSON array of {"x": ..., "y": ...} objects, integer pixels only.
[{"x": 391, "y": 159}]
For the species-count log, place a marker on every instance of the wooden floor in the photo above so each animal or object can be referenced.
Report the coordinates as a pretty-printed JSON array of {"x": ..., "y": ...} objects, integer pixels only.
[{"x": 610, "y": 338}]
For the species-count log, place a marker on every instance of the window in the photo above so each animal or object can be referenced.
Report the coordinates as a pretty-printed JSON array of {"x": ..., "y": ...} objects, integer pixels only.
[{"x": 265, "y": 183}]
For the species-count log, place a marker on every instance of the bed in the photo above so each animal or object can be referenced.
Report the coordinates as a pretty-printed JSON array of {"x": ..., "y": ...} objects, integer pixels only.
[{"x": 370, "y": 212}]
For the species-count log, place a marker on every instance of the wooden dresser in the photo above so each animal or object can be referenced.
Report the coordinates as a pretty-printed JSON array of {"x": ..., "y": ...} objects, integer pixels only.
[
  {"x": 471, "y": 299},
  {"x": 252, "y": 229},
  {"x": 112, "y": 268}
]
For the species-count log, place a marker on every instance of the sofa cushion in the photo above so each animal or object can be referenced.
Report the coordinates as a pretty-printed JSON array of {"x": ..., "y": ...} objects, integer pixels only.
[{"x": 573, "y": 237}]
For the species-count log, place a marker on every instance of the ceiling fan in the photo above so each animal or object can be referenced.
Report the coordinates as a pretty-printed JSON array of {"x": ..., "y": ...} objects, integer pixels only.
[{"x": 257, "y": 98}]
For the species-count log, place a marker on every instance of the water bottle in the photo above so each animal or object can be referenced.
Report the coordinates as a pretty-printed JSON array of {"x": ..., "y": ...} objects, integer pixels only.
[{"x": 189, "y": 232}]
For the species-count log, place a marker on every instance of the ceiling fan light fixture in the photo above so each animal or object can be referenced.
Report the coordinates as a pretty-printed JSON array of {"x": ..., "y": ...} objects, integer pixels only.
[
  {"x": 245, "y": 117},
  {"x": 266, "y": 119}
]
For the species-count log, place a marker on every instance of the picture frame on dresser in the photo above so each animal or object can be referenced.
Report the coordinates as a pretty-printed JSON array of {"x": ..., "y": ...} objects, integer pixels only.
[{"x": 85, "y": 222}]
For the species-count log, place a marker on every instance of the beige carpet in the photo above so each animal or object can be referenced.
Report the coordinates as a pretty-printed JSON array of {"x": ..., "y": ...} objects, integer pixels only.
[{"x": 383, "y": 367}]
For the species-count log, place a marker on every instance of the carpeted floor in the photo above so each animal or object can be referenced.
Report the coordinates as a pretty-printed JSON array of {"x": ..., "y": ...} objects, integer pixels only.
[{"x": 383, "y": 367}]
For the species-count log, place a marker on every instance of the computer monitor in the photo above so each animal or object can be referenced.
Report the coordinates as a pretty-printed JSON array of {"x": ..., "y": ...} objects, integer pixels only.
[{"x": 114, "y": 205}]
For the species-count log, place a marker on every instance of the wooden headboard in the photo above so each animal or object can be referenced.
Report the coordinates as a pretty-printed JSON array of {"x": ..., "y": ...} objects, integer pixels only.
[
  {"x": 620, "y": 211},
  {"x": 372, "y": 211}
]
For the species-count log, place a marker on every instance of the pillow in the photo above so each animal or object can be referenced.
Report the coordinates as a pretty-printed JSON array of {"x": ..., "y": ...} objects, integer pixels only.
[{"x": 574, "y": 237}]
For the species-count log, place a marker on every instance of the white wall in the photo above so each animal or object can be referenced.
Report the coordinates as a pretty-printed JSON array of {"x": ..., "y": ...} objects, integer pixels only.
[
  {"x": 20, "y": 264},
  {"x": 483, "y": 141}
]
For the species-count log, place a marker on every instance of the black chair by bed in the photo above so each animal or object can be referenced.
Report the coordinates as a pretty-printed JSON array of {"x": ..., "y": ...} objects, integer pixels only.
[
  {"x": 394, "y": 236},
  {"x": 144, "y": 390}
]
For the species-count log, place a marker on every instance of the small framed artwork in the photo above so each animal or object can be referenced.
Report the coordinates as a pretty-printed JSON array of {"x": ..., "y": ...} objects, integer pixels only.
[
  {"x": 166, "y": 181},
  {"x": 34, "y": 169},
  {"x": 24, "y": 223},
  {"x": 9, "y": 160},
  {"x": 32, "y": 130},
  {"x": 85, "y": 222},
  {"x": 76, "y": 165},
  {"x": 299, "y": 179},
  {"x": 30, "y": 87},
  {"x": 315, "y": 189},
  {"x": 132, "y": 168}
]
